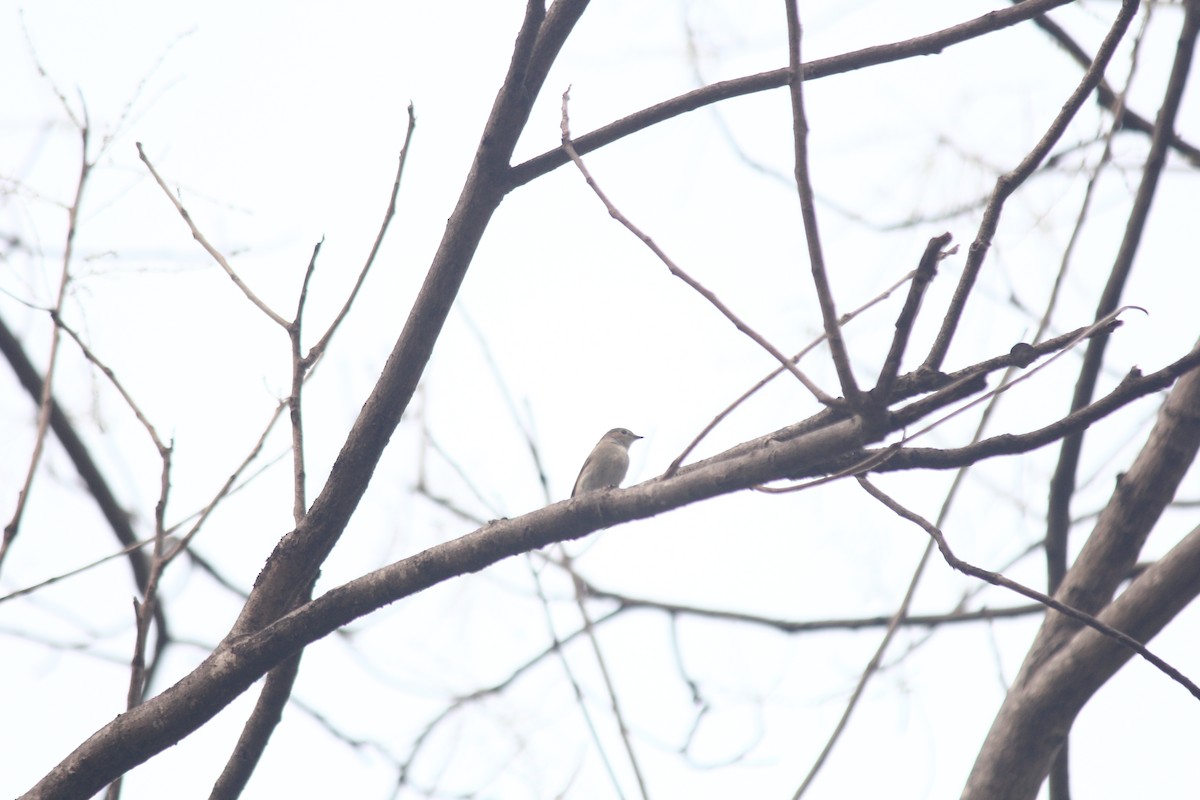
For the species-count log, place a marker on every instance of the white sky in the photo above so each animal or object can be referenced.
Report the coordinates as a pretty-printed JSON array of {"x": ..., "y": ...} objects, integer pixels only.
[{"x": 280, "y": 123}]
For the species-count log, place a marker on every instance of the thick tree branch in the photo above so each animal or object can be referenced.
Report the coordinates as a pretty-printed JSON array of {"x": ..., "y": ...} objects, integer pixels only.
[
  {"x": 142, "y": 732},
  {"x": 1062, "y": 486},
  {"x": 115, "y": 515},
  {"x": 300, "y": 553},
  {"x": 1055, "y": 680}
]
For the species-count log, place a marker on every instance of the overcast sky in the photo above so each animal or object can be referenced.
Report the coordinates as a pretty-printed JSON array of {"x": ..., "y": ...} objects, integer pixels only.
[{"x": 280, "y": 124}]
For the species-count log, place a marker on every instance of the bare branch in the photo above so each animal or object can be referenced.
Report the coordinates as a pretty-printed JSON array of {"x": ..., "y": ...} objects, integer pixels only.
[
  {"x": 1134, "y": 386},
  {"x": 725, "y": 412},
  {"x": 588, "y": 630},
  {"x": 46, "y": 400},
  {"x": 1123, "y": 117},
  {"x": 675, "y": 270},
  {"x": 212, "y": 251},
  {"x": 923, "y": 276},
  {"x": 614, "y": 703},
  {"x": 1007, "y": 183},
  {"x": 808, "y": 213},
  {"x": 928, "y": 44},
  {"x": 1063, "y": 483},
  {"x": 999, "y": 580},
  {"x": 319, "y": 348}
]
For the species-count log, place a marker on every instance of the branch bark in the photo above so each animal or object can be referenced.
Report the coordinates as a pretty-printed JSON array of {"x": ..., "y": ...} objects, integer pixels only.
[{"x": 1066, "y": 665}]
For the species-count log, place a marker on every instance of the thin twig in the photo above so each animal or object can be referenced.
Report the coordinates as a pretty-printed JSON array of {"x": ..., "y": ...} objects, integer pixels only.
[
  {"x": 300, "y": 367},
  {"x": 115, "y": 514},
  {"x": 228, "y": 487},
  {"x": 522, "y": 421},
  {"x": 787, "y": 626},
  {"x": 1062, "y": 483},
  {"x": 1008, "y": 183},
  {"x": 868, "y": 672},
  {"x": 679, "y": 273},
  {"x": 319, "y": 347},
  {"x": 1123, "y": 117},
  {"x": 580, "y": 701},
  {"x": 961, "y": 385},
  {"x": 590, "y": 629},
  {"x": 124, "y": 551},
  {"x": 107, "y": 371},
  {"x": 997, "y": 579},
  {"x": 1133, "y": 386},
  {"x": 555, "y": 648},
  {"x": 1063, "y": 480},
  {"x": 212, "y": 251},
  {"x": 927, "y": 44},
  {"x": 675, "y": 465},
  {"x": 1099, "y": 328},
  {"x": 145, "y": 611},
  {"x": 45, "y": 402}
]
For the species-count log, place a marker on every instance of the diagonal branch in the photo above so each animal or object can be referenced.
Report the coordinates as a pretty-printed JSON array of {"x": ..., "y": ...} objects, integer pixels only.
[
  {"x": 1133, "y": 386},
  {"x": 808, "y": 213},
  {"x": 775, "y": 373},
  {"x": 212, "y": 251},
  {"x": 292, "y": 567},
  {"x": 787, "y": 363},
  {"x": 317, "y": 349},
  {"x": 926, "y": 270},
  {"x": 1106, "y": 96},
  {"x": 1008, "y": 183},
  {"x": 1062, "y": 485},
  {"x": 45, "y": 397},
  {"x": 997, "y": 579},
  {"x": 929, "y": 44}
]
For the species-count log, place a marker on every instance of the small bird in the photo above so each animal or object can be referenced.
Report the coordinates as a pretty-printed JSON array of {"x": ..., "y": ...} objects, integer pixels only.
[{"x": 607, "y": 464}]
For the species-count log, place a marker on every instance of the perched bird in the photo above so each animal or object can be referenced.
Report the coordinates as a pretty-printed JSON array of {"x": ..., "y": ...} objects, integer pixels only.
[{"x": 607, "y": 464}]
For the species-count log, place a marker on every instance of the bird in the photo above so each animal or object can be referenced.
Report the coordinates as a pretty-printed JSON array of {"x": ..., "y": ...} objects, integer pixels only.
[{"x": 607, "y": 464}]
